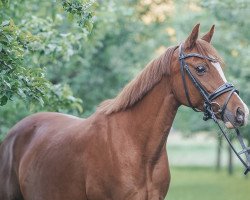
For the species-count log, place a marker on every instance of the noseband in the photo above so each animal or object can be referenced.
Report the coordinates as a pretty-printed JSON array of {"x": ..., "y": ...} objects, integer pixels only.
[{"x": 209, "y": 102}]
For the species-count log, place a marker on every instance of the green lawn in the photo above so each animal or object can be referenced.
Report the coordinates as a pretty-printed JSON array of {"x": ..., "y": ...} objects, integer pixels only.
[{"x": 197, "y": 183}]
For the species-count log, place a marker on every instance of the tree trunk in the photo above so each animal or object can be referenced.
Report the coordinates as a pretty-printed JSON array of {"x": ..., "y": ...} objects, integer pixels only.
[
  {"x": 218, "y": 156},
  {"x": 230, "y": 160},
  {"x": 248, "y": 144}
]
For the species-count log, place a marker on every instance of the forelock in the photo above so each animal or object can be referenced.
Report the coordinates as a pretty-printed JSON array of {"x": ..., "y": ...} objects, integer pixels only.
[{"x": 207, "y": 49}]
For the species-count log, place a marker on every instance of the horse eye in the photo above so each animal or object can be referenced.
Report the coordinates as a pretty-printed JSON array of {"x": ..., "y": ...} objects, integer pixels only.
[{"x": 201, "y": 69}]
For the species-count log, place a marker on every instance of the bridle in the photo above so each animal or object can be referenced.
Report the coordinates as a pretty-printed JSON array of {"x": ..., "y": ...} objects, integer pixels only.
[
  {"x": 209, "y": 113},
  {"x": 208, "y": 98}
]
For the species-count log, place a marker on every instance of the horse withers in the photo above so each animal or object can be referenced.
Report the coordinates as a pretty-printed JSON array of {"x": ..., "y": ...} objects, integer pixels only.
[{"x": 119, "y": 152}]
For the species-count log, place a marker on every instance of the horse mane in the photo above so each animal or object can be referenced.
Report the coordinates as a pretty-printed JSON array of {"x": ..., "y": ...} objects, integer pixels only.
[
  {"x": 140, "y": 85},
  {"x": 149, "y": 77}
]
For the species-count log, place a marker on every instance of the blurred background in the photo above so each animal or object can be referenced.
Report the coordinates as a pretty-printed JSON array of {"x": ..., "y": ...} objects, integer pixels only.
[{"x": 70, "y": 55}]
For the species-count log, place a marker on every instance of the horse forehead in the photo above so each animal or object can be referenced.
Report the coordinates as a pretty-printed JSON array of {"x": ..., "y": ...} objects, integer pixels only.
[{"x": 217, "y": 66}]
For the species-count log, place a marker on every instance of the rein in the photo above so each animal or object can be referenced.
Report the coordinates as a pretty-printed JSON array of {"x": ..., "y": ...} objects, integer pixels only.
[{"x": 208, "y": 103}]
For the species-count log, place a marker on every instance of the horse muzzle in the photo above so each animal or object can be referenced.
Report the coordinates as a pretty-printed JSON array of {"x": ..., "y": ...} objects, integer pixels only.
[{"x": 234, "y": 120}]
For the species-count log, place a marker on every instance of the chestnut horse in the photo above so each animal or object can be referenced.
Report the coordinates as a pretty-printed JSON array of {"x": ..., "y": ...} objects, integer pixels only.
[{"x": 120, "y": 151}]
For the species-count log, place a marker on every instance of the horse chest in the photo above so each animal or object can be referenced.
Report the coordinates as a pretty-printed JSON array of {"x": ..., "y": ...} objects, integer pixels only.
[
  {"x": 147, "y": 191},
  {"x": 129, "y": 183},
  {"x": 123, "y": 173}
]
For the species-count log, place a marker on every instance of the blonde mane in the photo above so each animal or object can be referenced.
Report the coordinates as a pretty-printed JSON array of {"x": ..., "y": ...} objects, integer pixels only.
[{"x": 140, "y": 85}]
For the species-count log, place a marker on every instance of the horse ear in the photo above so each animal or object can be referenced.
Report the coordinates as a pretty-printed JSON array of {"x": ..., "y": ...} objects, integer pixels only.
[
  {"x": 208, "y": 36},
  {"x": 190, "y": 41}
]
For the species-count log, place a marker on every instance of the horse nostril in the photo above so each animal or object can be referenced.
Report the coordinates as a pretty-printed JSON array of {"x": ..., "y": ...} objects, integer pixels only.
[{"x": 240, "y": 115}]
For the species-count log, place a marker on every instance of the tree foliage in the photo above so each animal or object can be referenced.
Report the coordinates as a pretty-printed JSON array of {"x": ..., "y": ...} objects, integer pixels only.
[
  {"x": 28, "y": 49},
  {"x": 17, "y": 77},
  {"x": 83, "y": 11}
]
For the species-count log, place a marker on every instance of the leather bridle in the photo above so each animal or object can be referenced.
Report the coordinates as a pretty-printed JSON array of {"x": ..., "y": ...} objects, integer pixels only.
[{"x": 209, "y": 98}]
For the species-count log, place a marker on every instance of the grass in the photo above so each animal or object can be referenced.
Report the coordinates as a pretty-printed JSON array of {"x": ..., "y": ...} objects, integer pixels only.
[{"x": 203, "y": 183}]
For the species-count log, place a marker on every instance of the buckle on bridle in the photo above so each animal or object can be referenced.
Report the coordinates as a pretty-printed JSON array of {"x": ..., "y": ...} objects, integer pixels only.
[{"x": 207, "y": 111}]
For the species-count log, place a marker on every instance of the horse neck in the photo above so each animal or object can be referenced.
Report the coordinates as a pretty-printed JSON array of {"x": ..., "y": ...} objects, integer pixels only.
[{"x": 149, "y": 121}]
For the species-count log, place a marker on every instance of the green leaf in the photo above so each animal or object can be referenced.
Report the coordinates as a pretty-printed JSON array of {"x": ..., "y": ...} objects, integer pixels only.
[
  {"x": 7, "y": 84},
  {"x": 3, "y": 100},
  {"x": 40, "y": 101},
  {"x": 5, "y": 23},
  {"x": 21, "y": 93}
]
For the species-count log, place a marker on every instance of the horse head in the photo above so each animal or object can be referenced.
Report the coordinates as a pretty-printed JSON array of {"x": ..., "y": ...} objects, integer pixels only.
[{"x": 198, "y": 81}]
